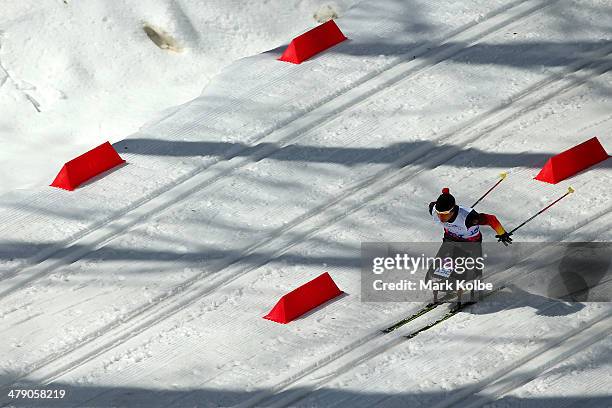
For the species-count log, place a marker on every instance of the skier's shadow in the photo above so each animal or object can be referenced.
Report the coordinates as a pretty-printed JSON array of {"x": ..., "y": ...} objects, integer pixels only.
[
  {"x": 513, "y": 297},
  {"x": 584, "y": 267},
  {"x": 582, "y": 275}
]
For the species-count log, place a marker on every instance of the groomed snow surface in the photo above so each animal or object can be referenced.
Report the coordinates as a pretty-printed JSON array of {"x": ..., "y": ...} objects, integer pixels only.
[{"x": 146, "y": 287}]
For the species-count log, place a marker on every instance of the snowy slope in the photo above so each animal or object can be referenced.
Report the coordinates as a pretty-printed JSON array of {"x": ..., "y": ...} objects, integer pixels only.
[
  {"x": 75, "y": 74},
  {"x": 155, "y": 277}
]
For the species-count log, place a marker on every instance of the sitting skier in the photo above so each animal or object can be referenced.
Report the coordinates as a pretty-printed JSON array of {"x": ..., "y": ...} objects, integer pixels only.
[{"x": 462, "y": 235}]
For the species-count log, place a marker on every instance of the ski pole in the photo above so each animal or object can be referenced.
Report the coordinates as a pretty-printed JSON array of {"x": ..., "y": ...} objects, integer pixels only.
[
  {"x": 569, "y": 191},
  {"x": 502, "y": 176}
]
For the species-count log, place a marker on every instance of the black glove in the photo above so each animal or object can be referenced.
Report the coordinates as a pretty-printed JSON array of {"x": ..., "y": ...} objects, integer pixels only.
[{"x": 504, "y": 238}]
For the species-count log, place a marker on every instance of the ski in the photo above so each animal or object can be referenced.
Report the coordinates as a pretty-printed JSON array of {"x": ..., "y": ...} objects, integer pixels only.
[
  {"x": 429, "y": 307},
  {"x": 450, "y": 314},
  {"x": 426, "y": 309}
]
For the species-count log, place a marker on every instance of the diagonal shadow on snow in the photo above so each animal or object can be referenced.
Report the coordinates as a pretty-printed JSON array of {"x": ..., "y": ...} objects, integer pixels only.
[
  {"x": 124, "y": 396},
  {"x": 347, "y": 156}
]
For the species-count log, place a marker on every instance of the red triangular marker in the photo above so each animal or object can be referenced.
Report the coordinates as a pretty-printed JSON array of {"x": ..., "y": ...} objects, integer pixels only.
[
  {"x": 303, "y": 299},
  {"x": 572, "y": 161},
  {"x": 88, "y": 165},
  {"x": 313, "y": 42}
]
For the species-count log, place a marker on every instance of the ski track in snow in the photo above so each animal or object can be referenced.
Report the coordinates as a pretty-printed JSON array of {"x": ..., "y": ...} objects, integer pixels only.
[
  {"x": 113, "y": 342},
  {"x": 312, "y": 221},
  {"x": 27, "y": 277},
  {"x": 378, "y": 179},
  {"x": 294, "y": 388},
  {"x": 537, "y": 361},
  {"x": 490, "y": 388},
  {"x": 534, "y": 364},
  {"x": 285, "y": 134}
]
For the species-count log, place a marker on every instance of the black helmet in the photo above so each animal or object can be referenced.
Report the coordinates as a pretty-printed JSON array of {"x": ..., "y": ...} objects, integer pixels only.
[{"x": 446, "y": 201}]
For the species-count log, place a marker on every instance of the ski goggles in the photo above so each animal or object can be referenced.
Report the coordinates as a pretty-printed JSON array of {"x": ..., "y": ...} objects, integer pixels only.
[{"x": 444, "y": 212}]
